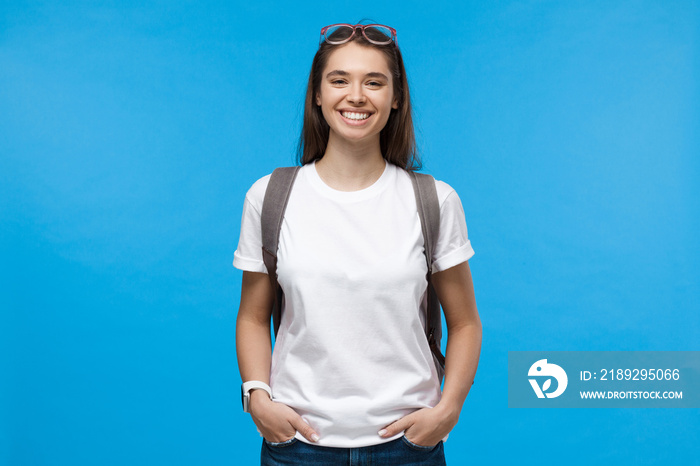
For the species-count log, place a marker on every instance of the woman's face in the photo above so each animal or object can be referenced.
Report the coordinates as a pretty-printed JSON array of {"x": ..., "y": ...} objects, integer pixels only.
[{"x": 357, "y": 93}]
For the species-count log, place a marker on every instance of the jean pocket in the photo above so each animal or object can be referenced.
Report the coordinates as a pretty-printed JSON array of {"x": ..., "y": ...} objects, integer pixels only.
[
  {"x": 416, "y": 446},
  {"x": 286, "y": 443}
]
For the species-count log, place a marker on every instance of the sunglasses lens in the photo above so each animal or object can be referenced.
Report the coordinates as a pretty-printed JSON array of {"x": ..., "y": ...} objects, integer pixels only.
[
  {"x": 338, "y": 34},
  {"x": 378, "y": 34}
]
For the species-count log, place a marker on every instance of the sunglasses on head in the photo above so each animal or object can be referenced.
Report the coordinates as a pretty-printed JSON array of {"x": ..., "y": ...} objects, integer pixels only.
[{"x": 378, "y": 34}]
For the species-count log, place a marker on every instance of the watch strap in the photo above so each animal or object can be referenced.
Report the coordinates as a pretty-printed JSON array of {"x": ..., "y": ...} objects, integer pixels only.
[{"x": 248, "y": 387}]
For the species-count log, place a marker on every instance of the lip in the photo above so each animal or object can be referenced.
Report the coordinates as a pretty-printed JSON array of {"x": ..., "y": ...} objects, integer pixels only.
[{"x": 355, "y": 122}]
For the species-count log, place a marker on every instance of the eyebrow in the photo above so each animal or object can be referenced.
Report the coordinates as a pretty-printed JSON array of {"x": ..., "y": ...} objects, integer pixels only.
[{"x": 372, "y": 74}]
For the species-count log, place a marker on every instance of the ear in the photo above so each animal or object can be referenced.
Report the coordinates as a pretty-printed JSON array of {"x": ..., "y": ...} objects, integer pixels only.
[
  {"x": 318, "y": 99},
  {"x": 395, "y": 104}
]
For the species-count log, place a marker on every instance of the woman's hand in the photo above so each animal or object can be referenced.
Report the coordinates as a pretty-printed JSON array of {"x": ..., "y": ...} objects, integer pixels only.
[
  {"x": 277, "y": 422},
  {"x": 425, "y": 427}
]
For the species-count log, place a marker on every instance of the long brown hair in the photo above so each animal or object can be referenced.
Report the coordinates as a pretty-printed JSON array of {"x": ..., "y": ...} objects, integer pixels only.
[{"x": 397, "y": 140}]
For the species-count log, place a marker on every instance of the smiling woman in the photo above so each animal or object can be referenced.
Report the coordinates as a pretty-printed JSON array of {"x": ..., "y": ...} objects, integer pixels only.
[
  {"x": 352, "y": 374},
  {"x": 356, "y": 98},
  {"x": 397, "y": 141}
]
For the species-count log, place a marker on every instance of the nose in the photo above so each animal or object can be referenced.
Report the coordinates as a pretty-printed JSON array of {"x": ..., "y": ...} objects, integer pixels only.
[{"x": 356, "y": 93}]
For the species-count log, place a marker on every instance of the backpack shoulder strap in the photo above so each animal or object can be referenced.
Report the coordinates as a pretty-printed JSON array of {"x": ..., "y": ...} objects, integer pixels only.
[
  {"x": 428, "y": 206},
  {"x": 428, "y": 211},
  {"x": 274, "y": 204}
]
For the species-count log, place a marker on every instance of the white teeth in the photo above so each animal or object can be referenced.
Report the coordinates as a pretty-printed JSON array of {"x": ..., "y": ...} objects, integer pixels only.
[{"x": 355, "y": 116}]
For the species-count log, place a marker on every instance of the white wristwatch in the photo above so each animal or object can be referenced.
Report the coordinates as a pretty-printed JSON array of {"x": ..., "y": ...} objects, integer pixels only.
[{"x": 248, "y": 387}]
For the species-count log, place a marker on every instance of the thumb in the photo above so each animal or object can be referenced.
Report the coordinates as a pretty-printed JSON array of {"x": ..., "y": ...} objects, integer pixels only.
[
  {"x": 304, "y": 429},
  {"x": 396, "y": 427}
]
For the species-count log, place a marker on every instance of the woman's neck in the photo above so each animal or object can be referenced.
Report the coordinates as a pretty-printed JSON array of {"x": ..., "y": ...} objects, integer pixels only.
[{"x": 348, "y": 167}]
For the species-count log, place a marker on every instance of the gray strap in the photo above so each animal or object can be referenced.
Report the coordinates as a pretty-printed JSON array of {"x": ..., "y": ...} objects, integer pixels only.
[
  {"x": 428, "y": 206},
  {"x": 428, "y": 211},
  {"x": 274, "y": 204}
]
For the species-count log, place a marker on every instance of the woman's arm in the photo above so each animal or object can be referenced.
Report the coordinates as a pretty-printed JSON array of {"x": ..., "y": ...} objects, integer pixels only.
[
  {"x": 277, "y": 422},
  {"x": 456, "y": 292},
  {"x": 253, "y": 343}
]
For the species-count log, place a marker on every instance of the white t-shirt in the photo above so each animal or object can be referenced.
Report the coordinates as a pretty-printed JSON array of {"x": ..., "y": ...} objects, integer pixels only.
[{"x": 351, "y": 354}]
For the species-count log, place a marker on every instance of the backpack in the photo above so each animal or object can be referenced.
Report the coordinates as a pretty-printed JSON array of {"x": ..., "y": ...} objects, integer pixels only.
[{"x": 274, "y": 205}]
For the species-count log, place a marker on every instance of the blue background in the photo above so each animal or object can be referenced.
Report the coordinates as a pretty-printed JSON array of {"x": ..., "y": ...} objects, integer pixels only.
[{"x": 130, "y": 132}]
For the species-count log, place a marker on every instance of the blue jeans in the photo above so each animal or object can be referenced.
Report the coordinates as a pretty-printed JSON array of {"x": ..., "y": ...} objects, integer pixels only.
[{"x": 397, "y": 452}]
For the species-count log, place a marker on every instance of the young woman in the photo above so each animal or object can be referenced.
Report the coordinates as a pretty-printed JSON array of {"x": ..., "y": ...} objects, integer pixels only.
[{"x": 352, "y": 379}]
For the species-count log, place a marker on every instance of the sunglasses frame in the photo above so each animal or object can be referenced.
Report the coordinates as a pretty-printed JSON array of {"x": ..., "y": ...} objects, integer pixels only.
[{"x": 355, "y": 27}]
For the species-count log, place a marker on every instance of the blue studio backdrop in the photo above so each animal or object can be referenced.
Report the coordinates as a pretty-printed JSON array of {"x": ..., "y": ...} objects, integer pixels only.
[{"x": 130, "y": 132}]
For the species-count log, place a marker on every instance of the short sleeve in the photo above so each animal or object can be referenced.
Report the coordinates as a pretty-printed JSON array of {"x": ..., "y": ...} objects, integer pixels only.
[
  {"x": 248, "y": 255},
  {"x": 453, "y": 246}
]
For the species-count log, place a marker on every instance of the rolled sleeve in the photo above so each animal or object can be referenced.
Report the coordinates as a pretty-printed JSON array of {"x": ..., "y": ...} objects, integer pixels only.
[
  {"x": 456, "y": 257},
  {"x": 248, "y": 255},
  {"x": 453, "y": 246}
]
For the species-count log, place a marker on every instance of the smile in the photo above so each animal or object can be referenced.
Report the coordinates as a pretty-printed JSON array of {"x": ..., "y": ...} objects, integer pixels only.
[{"x": 355, "y": 116}]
